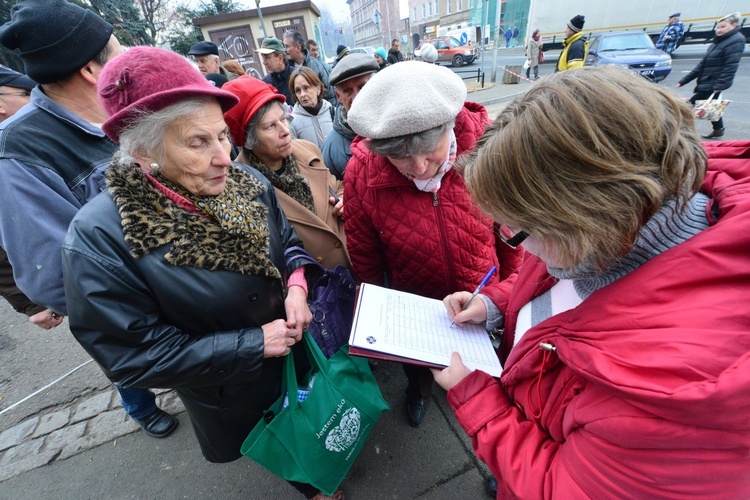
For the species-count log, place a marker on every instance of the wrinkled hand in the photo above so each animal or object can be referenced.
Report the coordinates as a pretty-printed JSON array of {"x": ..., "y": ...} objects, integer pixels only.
[
  {"x": 298, "y": 314},
  {"x": 474, "y": 315},
  {"x": 46, "y": 319},
  {"x": 338, "y": 206},
  {"x": 278, "y": 339},
  {"x": 451, "y": 376}
]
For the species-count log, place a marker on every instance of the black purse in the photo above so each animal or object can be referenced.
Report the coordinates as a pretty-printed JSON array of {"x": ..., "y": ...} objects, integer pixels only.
[{"x": 330, "y": 296}]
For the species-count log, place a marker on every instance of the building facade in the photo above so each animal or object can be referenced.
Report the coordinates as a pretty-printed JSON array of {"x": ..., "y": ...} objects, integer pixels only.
[{"x": 376, "y": 22}]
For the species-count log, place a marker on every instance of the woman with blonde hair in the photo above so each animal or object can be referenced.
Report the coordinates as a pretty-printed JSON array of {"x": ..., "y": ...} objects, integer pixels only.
[
  {"x": 626, "y": 357},
  {"x": 234, "y": 67}
]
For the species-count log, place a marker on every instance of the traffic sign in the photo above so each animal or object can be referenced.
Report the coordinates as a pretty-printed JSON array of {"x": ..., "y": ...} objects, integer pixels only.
[
  {"x": 464, "y": 38},
  {"x": 376, "y": 18}
]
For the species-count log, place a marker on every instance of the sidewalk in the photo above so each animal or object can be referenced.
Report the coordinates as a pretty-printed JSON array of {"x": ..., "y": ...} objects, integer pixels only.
[{"x": 84, "y": 445}]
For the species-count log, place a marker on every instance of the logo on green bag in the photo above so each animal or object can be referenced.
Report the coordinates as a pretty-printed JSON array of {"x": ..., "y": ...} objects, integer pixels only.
[{"x": 345, "y": 434}]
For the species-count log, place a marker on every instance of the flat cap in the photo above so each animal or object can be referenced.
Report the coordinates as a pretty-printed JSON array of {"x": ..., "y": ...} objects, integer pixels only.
[
  {"x": 405, "y": 99},
  {"x": 677, "y": 14},
  {"x": 352, "y": 66},
  {"x": 270, "y": 45},
  {"x": 203, "y": 49},
  {"x": 10, "y": 78}
]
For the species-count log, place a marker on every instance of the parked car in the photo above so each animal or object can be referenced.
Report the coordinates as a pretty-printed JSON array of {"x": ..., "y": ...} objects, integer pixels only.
[
  {"x": 450, "y": 50},
  {"x": 631, "y": 49},
  {"x": 363, "y": 50}
]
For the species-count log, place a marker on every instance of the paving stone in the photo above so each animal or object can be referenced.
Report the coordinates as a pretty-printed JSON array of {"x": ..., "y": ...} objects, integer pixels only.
[
  {"x": 60, "y": 438},
  {"x": 91, "y": 407},
  {"x": 30, "y": 463},
  {"x": 22, "y": 451},
  {"x": 171, "y": 403},
  {"x": 52, "y": 422},
  {"x": 15, "y": 435},
  {"x": 101, "y": 429}
]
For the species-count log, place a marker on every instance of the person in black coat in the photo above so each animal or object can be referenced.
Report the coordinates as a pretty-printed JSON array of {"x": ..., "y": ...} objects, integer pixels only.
[{"x": 715, "y": 72}]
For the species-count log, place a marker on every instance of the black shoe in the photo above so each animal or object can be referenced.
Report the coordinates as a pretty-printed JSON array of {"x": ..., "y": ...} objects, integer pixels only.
[
  {"x": 158, "y": 424},
  {"x": 415, "y": 411},
  {"x": 715, "y": 134},
  {"x": 490, "y": 487}
]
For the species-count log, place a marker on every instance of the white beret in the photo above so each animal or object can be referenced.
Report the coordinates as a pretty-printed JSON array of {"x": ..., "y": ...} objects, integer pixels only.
[{"x": 406, "y": 98}]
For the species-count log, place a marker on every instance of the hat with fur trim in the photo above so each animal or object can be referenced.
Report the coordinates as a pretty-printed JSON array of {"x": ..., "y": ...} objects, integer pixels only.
[
  {"x": 389, "y": 107},
  {"x": 576, "y": 24},
  {"x": 135, "y": 81},
  {"x": 54, "y": 38},
  {"x": 252, "y": 94}
]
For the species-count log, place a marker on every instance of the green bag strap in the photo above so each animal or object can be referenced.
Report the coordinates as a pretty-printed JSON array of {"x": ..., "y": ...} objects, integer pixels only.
[{"x": 317, "y": 361}]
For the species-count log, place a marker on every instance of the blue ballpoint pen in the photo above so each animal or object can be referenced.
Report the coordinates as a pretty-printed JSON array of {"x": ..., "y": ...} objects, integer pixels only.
[{"x": 486, "y": 278}]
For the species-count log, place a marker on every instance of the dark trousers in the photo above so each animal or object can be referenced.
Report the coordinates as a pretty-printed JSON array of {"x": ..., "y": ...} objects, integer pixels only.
[
  {"x": 702, "y": 96},
  {"x": 420, "y": 381}
]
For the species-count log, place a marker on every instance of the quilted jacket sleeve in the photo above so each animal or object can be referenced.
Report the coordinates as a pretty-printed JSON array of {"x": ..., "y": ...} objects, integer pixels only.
[{"x": 362, "y": 239}]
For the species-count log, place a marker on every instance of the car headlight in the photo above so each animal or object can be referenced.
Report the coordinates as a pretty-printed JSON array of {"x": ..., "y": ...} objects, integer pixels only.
[
  {"x": 467, "y": 53},
  {"x": 661, "y": 64}
]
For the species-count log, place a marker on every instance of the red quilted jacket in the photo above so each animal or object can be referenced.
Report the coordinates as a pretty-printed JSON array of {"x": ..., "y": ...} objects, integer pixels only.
[{"x": 423, "y": 243}]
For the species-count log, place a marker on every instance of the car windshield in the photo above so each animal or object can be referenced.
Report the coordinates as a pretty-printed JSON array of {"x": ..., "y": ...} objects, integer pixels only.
[
  {"x": 453, "y": 42},
  {"x": 626, "y": 41}
]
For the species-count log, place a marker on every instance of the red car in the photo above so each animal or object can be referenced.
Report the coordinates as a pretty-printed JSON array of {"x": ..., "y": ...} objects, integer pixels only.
[{"x": 450, "y": 50}]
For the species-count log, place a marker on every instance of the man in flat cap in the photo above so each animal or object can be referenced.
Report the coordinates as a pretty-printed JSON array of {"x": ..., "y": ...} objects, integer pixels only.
[
  {"x": 671, "y": 34},
  {"x": 347, "y": 79},
  {"x": 575, "y": 46},
  {"x": 53, "y": 155},
  {"x": 206, "y": 56},
  {"x": 278, "y": 67}
]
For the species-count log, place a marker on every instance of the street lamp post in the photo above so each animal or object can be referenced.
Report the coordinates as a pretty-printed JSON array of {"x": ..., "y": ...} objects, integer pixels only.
[{"x": 260, "y": 16}]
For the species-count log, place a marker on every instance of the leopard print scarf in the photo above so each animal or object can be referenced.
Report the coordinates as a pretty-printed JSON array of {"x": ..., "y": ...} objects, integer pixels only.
[
  {"x": 151, "y": 219},
  {"x": 290, "y": 181}
]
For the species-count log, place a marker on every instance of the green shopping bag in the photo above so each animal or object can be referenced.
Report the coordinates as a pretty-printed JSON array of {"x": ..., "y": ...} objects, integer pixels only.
[{"x": 316, "y": 441}]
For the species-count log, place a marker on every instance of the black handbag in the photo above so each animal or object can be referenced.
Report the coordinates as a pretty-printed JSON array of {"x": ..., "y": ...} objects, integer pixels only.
[{"x": 330, "y": 297}]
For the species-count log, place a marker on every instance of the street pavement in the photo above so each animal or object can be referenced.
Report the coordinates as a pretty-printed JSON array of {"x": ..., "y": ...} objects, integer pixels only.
[{"x": 63, "y": 433}]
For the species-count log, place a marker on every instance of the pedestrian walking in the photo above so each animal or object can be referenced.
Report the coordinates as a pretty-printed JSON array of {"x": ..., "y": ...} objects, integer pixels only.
[
  {"x": 671, "y": 34},
  {"x": 533, "y": 54},
  {"x": 715, "y": 72}
]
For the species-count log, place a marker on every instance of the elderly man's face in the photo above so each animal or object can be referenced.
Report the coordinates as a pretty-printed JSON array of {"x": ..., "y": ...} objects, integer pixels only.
[
  {"x": 274, "y": 62},
  {"x": 196, "y": 152},
  {"x": 293, "y": 50},
  {"x": 207, "y": 64},
  {"x": 11, "y": 100},
  {"x": 313, "y": 50},
  {"x": 673, "y": 20},
  {"x": 347, "y": 90}
]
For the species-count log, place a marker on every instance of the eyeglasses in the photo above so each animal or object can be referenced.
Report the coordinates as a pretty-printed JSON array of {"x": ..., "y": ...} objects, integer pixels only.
[
  {"x": 16, "y": 93},
  {"x": 510, "y": 239}
]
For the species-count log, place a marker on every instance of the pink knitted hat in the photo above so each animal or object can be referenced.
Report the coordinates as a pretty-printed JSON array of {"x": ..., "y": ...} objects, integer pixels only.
[{"x": 150, "y": 79}]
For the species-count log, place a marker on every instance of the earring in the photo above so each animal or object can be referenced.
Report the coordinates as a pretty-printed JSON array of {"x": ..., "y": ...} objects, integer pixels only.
[{"x": 154, "y": 167}]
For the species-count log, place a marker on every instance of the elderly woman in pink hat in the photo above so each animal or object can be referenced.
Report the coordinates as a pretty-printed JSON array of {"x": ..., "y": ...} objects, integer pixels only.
[{"x": 176, "y": 275}]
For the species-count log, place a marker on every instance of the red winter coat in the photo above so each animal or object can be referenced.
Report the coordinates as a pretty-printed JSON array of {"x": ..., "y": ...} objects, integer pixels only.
[
  {"x": 425, "y": 243},
  {"x": 648, "y": 391}
]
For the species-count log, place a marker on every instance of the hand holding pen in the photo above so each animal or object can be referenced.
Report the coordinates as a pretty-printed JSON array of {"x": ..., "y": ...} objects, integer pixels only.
[{"x": 484, "y": 281}]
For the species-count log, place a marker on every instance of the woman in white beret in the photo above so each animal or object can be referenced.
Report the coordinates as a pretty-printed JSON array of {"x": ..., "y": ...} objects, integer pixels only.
[{"x": 410, "y": 222}]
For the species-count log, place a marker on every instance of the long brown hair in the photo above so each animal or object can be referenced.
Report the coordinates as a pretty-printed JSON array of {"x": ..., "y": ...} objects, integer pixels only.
[{"x": 584, "y": 159}]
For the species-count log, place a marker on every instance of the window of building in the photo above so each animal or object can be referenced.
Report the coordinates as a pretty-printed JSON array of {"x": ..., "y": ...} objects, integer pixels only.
[
  {"x": 424, "y": 11},
  {"x": 429, "y": 5},
  {"x": 448, "y": 7},
  {"x": 437, "y": 8},
  {"x": 415, "y": 14},
  {"x": 460, "y": 5}
]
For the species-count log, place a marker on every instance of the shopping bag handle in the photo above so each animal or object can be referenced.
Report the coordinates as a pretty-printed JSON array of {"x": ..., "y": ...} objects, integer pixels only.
[{"x": 317, "y": 360}]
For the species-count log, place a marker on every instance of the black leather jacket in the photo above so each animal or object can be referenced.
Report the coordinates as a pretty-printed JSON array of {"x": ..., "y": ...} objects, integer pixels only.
[{"x": 149, "y": 323}]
